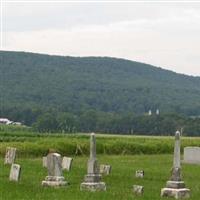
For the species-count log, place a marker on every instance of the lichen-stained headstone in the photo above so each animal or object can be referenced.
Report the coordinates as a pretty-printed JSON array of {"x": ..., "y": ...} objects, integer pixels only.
[
  {"x": 67, "y": 163},
  {"x": 138, "y": 189},
  {"x": 105, "y": 169},
  {"x": 55, "y": 177},
  {"x": 10, "y": 155},
  {"x": 139, "y": 174},
  {"x": 15, "y": 172}
]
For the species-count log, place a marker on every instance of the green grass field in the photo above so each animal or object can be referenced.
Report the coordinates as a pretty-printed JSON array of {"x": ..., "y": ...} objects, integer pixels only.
[
  {"x": 125, "y": 154},
  {"x": 119, "y": 182}
]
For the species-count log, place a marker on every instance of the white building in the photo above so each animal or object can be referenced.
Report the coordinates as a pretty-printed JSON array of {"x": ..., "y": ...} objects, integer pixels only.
[
  {"x": 157, "y": 112},
  {"x": 5, "y": 121},
  {"x": 150, "y": 113}
]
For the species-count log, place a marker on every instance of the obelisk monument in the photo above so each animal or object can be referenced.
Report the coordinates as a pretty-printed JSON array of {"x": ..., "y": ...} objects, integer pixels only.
[
  {"x": 92, "y": 181},
  {"x": 175, "y": 187}
]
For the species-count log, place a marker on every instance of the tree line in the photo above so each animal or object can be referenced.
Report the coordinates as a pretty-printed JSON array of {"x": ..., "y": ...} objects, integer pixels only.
[{"x": 91, "y": 120}]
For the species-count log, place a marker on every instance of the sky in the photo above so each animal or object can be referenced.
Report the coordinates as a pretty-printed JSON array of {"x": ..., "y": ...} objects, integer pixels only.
[{"x": 164, "y": 34}]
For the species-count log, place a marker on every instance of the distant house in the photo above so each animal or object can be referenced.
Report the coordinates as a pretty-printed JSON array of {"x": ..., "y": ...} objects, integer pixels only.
[{"x": 5, "y": 121}]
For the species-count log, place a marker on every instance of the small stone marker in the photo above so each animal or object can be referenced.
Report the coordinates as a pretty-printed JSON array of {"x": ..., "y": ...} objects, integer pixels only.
[
  {"x": 105, "y": 169},
  {"x": 192, "y": 155},
  {"x": 92, "y": 181},
  {"x": 55, "y": 177},
  {"x": 139, "y": 174},
  {"x": 44, "y": 161},
  {"x": 138, "y": 189},
  {"x": 66, "y": 163},
  {"x": 175, "y": 187},
  {"x": 10, "y": 155},
  {"x": 15, "y": 172}
]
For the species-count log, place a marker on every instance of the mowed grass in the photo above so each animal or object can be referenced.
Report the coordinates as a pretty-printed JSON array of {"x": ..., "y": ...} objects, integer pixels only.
[{"x": 119, "y": 182}]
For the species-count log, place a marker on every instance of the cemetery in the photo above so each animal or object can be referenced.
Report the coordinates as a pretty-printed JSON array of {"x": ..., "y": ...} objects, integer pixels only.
[
  {"x": 97, "y": 175},
  {"x": 100, "y": 100}
]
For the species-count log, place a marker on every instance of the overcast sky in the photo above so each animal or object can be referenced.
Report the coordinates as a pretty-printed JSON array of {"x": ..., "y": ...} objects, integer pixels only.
[{"x": 162, "y": 34}]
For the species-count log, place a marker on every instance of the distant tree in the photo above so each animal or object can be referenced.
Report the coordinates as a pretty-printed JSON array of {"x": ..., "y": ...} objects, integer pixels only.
[
  {"x": 67, "y": 122},
  {"x": 46, "y": 123}
]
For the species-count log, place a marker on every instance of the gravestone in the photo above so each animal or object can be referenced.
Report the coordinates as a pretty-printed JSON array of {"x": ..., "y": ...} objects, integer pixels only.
[
  {"x": 55, "y": 177},
  {"x": 15, "y": 171},
  {"x": 138, "y": 189},
  {"x": 44, "y": 161},
  {"x": 10, "y": 155},
  {"x": 92, "y": 181},
  {"x": 175, "y": 187},
  {"x": 192, "y": 155},
  {"x": 139, "y": 174},
  {"x": 105, "y": 169},
  {"x": 66, "y": 163}
]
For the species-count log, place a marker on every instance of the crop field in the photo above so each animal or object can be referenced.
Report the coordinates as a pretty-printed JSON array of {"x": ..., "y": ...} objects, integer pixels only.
[
  {"x": 125, "y": 154},
  {"x": 33, "y": 144}
]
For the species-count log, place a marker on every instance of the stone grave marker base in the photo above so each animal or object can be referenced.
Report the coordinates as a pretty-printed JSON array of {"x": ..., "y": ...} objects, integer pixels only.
[
  {"x": 176, "y": 193},
  {"x": 93, "y": 187},
  {"x": 175, "y": 184},
  {"x": 92, "y": 178},
  {"x": 54, "y": 181}
]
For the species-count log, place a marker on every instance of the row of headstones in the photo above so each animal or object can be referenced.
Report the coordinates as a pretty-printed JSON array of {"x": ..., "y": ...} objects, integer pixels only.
[
  {"x": 175, "y": 187},
  {"x": 191, "y": 155},
  {"x": 67, "y": 165},
  {"x": 9, "y": 160},
  {"x": 15, "y": 170}
]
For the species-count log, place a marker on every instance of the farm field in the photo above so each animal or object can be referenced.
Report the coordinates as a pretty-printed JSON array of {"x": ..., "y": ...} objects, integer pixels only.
[
  {"x": 33, "y": 144},
  {"x": 119, "y": 182}
]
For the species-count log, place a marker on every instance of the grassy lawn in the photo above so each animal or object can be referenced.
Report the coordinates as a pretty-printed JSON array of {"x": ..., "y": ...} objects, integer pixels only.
[{"x": 119, "y": 182}]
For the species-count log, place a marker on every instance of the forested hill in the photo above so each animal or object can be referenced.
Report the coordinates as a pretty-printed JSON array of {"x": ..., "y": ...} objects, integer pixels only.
[{"x": 74, "y": 84}]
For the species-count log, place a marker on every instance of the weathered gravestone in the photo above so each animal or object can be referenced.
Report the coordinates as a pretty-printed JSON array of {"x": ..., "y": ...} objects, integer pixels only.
[
  {"x": 139, "y": 174},
  {"x": 10, "y": 155},
  {"x": 175, "y": 187},
  {"x": 44, "y": 161},
  {"x": 15, "y": 171},
  {"x": 192, "y": 155},
  {"x": 92, "y": 181},
  {"x": 66, "y": 163},
  {"x": 105, "y": 169},
  {"x": 138, "y": 189},
  {"x": 55, "y": 177}
]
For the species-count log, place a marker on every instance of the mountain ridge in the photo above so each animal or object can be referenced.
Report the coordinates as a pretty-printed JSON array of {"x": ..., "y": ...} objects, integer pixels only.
[{"x": 101, "y": 83}]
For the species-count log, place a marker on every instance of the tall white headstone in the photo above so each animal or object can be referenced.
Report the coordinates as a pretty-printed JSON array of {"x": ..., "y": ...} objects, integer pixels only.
[
  {"x": 15, "y": 172},
  {"x": 192, "y": 155},
  {"x": 67, "y": 163},
  {"x": 10, "y": 155}
]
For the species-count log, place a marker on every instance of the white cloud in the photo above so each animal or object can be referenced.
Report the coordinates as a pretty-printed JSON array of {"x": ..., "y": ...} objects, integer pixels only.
[{"x": 167, "y": 36}]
